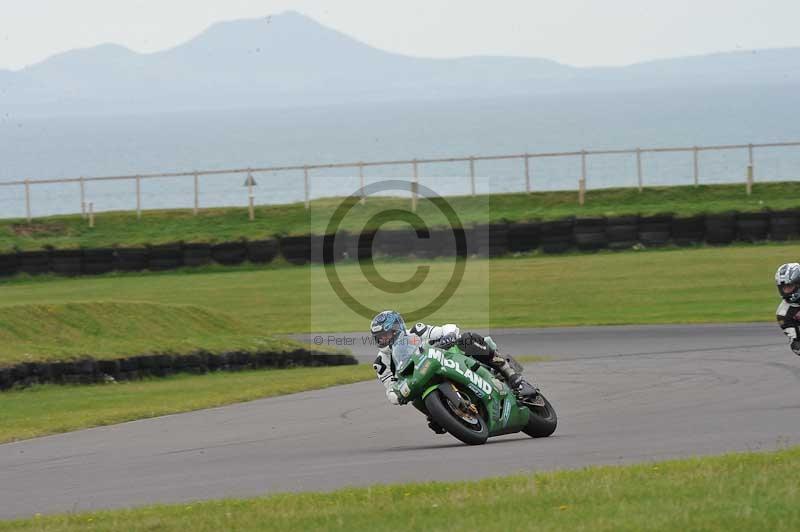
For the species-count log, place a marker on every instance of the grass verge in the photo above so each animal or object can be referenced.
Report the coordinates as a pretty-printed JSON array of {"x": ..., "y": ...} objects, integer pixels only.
[
  {"x": 49, "y": 409},
  {"x": 109, "y": 330},
  {"x": 745, "y": 491},
  {"x": 704, "y": 285},
  {"x": 226, "y": 224}
]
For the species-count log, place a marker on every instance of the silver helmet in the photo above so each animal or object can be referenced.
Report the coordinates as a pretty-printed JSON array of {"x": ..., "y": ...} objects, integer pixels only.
[{"x": 787, "y": 279}]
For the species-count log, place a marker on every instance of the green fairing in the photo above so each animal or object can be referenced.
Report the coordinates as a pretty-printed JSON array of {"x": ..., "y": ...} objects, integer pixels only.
[{"x": 432, "y": 367}]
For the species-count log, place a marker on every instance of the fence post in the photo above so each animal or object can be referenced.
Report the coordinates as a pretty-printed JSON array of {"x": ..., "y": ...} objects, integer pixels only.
[
  {"x": 582, "y": 181},
  {"x": 91, "y": 214},
  {"x": 696, "y": 163},
  {"x": 749, "y": 179},
  {"x": 750, "y": 158},
  {"x": 414, "y": 184},
  {"x": 28, "y": 199},
  {"x": 83, "y": 199},
  {"x": 361, "y": 181},
  {"x": 138, "y": 197},
  {"x": 472, "y": 175},
  {"x": 527, "y": 174},
  {"x": 305, "y": 181},
  {"x": 251, "y": 209},
  {"x": 639, "y": 168},
  {"x": 196, "y": 193}
]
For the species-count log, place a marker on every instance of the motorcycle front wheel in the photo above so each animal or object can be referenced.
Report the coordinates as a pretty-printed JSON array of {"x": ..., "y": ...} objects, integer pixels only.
[{"x": 465, "y": 424}]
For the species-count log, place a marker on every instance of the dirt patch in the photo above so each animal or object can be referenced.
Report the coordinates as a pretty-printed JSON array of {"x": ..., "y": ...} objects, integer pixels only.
[{"x": 39, "y": 229}]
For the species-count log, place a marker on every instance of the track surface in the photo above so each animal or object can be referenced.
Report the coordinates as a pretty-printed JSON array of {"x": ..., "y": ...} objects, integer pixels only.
[{"x": 623, "y": 394}]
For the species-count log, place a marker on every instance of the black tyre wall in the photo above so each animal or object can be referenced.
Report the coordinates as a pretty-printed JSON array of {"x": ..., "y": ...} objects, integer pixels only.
[
  {"x": 34, "y": 262},
  {"x": 229, "y": 253},
  {"x": 720, "y": 228},
  {"x": 165, "y": 257},
  {"x": 262, "y": 251},
  {"x": 524, "y": 236},
  {"x": 622, "y": 232},
  {"x": 296, "y": 249},
  {"x": 655, "y": 230},
  {"x": 690, "y": 230},
  {"x": 196, "y": 254},
  {"x": 590, "y": 234},
  {"x": 784, "y": 225},
  {"x": 752, "y": 226},
  {"x": 131, "y": 259},
  {"x": 97, "y": 261},
  {"x": 557, "y": 235}
]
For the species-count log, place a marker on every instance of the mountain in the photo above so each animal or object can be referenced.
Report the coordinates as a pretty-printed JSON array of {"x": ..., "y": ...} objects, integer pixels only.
[{"x": 289, "y": 59}]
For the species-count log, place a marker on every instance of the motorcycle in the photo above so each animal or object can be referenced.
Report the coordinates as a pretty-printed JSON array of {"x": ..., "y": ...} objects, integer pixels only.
[{"x": 466, "y": 397}]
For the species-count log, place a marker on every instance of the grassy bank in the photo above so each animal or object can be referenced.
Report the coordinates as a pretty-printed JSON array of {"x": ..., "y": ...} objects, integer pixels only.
[
  {"x": 50, "y": 409},
  {"x": 672, "y": 286},
  {"x": 106, "y": 330},
  {"x": 226, "y": 224},
  {"x": 753, "y": 492}
]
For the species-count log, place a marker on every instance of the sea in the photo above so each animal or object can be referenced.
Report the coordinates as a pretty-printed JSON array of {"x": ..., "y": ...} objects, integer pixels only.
[{"x": 67, "y": 146}]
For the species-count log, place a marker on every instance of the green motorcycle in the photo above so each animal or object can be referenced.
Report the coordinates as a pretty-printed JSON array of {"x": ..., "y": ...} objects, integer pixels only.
[{"x": 466, "y": 397}]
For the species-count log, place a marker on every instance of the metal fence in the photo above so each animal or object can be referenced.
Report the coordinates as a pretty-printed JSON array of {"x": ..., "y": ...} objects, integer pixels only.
[{"x": 526, "y": 168}]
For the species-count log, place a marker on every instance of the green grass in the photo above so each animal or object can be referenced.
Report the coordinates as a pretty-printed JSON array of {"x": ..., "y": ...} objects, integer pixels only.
[
  {"x": 703, "y": 285},
  {"x": 226, "y": 224},
  {"x": 106, "y": 330},
  {"x": 747, "y": 491},
  {"x": 49, "y": 409}
]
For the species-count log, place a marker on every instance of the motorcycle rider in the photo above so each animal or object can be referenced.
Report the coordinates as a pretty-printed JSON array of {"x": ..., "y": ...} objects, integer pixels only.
[
  {"x": 388, "y": 326},
  {"x": 787, "y": 279}
]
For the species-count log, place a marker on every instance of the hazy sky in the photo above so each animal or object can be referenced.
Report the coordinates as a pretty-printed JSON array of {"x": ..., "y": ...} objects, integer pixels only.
[{"x": 576, "y": 32}]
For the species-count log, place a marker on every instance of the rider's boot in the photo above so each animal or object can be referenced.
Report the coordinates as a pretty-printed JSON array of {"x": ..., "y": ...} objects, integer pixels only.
[{"x": 516, "y": 382}]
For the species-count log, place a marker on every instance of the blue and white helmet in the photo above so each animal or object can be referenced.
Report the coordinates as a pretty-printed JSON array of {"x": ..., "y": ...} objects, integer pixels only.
[
  {"x": 386, "y": 327},
  {"x": 787, "y": 279}
]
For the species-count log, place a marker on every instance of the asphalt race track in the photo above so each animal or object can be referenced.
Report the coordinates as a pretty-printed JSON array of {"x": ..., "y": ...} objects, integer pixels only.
[{"x": 623, "y": 394}]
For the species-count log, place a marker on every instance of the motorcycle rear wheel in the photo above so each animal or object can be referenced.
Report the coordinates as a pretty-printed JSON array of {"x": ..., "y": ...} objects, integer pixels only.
[
  {"x": 542, "y": 420},
  {"x": 469, "y": 427}
]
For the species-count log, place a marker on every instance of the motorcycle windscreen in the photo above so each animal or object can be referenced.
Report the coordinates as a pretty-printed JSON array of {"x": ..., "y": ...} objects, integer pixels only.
[{"x": 403, "y": 349}]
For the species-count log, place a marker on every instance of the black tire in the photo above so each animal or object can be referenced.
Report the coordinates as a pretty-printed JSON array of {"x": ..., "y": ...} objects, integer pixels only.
[
  {"x": 542, "y": 421},
  {"x": 440, "y": 410}
]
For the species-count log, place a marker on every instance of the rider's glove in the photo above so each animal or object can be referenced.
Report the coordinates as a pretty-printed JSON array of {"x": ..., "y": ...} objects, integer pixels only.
[
  {"x": 796, "y": 346},
  {"x": 447, "y": 341},
  {"x": 393, "y": 396}
]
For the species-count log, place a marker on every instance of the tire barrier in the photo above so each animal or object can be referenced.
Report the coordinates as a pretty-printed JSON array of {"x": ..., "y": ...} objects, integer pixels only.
[
  {"x": 622, "y": 232},
  {"x": 296, "y": 249},
  {"x": 655, "y": 230},
  {"x": 486, "y": 240},
  {"x": 165, "y": 257},
  {"x": 490, "y": 240},
  {"x": 131, "y": 259},
  {"x": 720, "y": 228},
  {"x": 590, "y": 234},
  {"x": 9, "y": 264},
  {"x": 196, "y": 254},
  {"x": 323, "y": 249},
  {"x": 89, "y": 370},
  {"x": 752, "y": 226},
  {"x": 98, "y": 261},
  {"x": 524, "y": 236},
  {"x": 688, "y": 231},
  {"x": 34, "y": 262},
  {"x": 229, "y": 253},
  {"x": 262, "y": 251},
  {"x": 784, "y": 225},
  {"x": 398, "y": 243},
  {"x": 557, "y": 235},
  {"x": 67, "y": 262}
]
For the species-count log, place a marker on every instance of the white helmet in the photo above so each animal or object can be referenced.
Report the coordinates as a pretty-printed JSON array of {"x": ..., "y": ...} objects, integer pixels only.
[{"x": 787, "y": 279}]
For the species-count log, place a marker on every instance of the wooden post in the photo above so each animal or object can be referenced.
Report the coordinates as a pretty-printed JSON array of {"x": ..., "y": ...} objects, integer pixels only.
[
  {"x": 91, "y": 214},
  {"x": 696, "y": 163},
  {"x": 251, "y": 209},
  {"x": 305, "y": 176},
  {"x": 472, "y": 175},
  {"x": 28, "y": 199},
  {"x": 196, "y": 193},
  {"x": 582, "y": 181},
  {"x": 414, "y": 184},
  {"x": 749, "y": 179},
  {"x": 639, "y": 168},
  {"x": 83, "y": 198},
  {"x": 527, "y": 174},
  {"x": 138, "y": 197},
  {"x": 750, "y": 158},
  {"x": 361, "y": 181}
]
